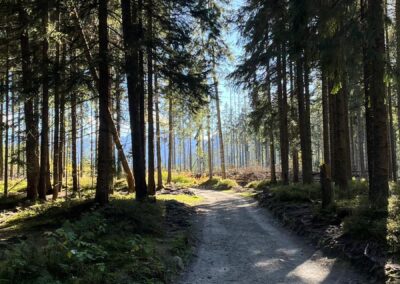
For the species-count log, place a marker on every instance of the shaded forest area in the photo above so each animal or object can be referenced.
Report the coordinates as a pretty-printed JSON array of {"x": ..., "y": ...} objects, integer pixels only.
[{"x": 116, "y": 108}]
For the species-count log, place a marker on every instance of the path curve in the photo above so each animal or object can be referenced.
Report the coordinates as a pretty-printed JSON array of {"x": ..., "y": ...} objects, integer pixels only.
[{"x": 240, "y": 242}]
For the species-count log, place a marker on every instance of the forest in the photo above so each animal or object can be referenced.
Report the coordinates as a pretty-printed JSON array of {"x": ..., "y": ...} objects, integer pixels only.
[{"x": 199, "y": 141}]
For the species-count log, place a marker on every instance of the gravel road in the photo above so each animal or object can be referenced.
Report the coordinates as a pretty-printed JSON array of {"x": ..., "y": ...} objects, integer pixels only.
[{"x": 240, "y": 242}]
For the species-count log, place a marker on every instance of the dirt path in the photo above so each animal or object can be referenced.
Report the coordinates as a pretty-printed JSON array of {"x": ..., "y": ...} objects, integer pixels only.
[{"x": 241, "y": 243}]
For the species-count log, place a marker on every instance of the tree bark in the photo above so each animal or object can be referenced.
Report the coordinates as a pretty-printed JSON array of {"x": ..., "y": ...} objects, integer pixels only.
[
  {"x": 306, "y": 169},
  {"x": 378, "y": 155},
  {"x": 306, "y": 152},
  {"x": 270, "y": 130},
  {"x": 7, "y": 123},
  {"x": 151, "y": 182},
  {"x": 104, "y": 176},
  {"x": 32, "y": 161},
  {"x": 57, "y": 81},
  {"x": 2, "y": 95},
  {"x": 118, "y": 110},
  {"x": 158, "y": 135},
  {"x": 283, "y": 119},
  {"x": 397, "y": 68},
  {"x": 210, "y": 163},
  {"x": 219, "y": 122},
  {"x": 325, "y": 119},
  {"x": 170, "y": 141},
  {"x": 44, "y": 146},
  {"x": 73, "y": 144},
  {"x": 129, "y": 17}
]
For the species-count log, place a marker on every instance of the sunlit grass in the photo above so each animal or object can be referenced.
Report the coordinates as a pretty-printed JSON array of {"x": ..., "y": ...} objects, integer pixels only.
[
  {"x": 217, "y": 183},
  {"x": 248, "y": 194},
  {"x": 191, "y": 200},
  {"x": 14, "y": 186}
]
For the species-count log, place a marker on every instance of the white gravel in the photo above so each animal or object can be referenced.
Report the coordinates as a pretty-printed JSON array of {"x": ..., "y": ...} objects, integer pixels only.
[{"x": 240, "y": 242}]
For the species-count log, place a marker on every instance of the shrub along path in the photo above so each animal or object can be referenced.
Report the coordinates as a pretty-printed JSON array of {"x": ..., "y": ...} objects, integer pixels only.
[{"x": 240, "y": 242}]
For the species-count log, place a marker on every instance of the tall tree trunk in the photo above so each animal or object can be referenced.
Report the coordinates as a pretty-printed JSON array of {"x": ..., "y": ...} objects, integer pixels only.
[
  {"x": 12, "y": 125},
  {"x": 57, "y": 81},
  {"x": 397, "y": 68},
  {"x": 62, "y": 147},
  {"x": 126, "y": 12},
  {"x": 378, "y": 153},
  {"x": 283, "y": 119},
  {"x": 210, "y": 163},
  {"x": 325, "y": 118},
  {"x": 306, "y": 152},
  {"x": 340, "y": 159},
  {"x": 7, "y": 122},
  {"x": 2, "y": 95},
  {"x": 151, "y": 182},
  {"x": 44, "y": 146},
  {"x": 392, "y": 132},
  {"x": 170, "y": 141},
  {"x": 129, "y": 18},
  {"x": 158, "y": 134},
  {"x": 141, "y": 84},
  {"x": 104, "y": 176},
  {"x": 270, "y": 130},
  {"x": 73, "y": 144},
  {"x": 32, "y": 161},
  {"x": 82, "y": 134},
  {"x": 219, "y": 122},
  {"x": 392, "y": 137},
  {"x": 19, "y": 158},
  {"x": 118, "y": 93},
  {"x": 306, "y": 171},
  {"x": 360, "y": 141},
  {"x": 294, "y": 130}
]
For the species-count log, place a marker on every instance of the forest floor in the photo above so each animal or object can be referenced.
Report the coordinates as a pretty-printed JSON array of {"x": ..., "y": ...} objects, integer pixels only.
[
  {"x": 74, "y": 241},
  {"x": 240, "y": 242}
]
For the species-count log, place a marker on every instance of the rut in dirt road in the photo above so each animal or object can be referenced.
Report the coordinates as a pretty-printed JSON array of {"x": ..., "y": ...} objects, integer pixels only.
[{"x": 241, "y": 243}]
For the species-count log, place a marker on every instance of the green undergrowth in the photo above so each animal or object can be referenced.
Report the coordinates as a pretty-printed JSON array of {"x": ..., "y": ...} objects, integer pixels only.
[
  {"x": 125, "y": 242},
  {"x": 295, "y": 192},
  {"x": 217, "y": 183},
  {"x": 359, "y": 221},
  {"x": 180, "y": 179},
  {"x": 260, "y": 185},
  {"x": 42, "y": 214}
]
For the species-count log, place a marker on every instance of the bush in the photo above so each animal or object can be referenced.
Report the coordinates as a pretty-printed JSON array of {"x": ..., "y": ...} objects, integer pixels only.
[
  {"x": 264, "y": 184},
  {"x": 219, "y": 184},
  {"x": 297, "y": 192}
]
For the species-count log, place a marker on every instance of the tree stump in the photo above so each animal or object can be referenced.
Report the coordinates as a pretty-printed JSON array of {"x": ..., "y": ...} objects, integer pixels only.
[{"x": 326, "y": 186}]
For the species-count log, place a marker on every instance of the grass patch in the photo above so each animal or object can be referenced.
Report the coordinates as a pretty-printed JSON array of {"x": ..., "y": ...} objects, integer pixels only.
[
  {"x": 183, "y": 198},
  {"x": 181, "y": 179},
  {"x": 248, "y": 194},
  {"x": 219, "y": 184},
  {"x": 14, "y": 186},
  {"x": 253, "y": 184}
]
